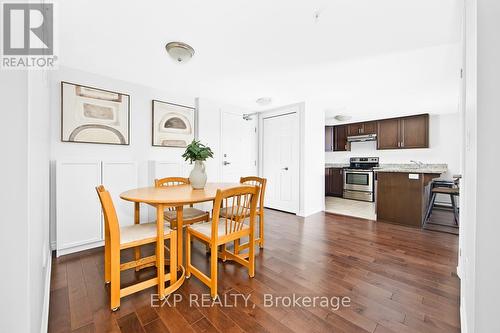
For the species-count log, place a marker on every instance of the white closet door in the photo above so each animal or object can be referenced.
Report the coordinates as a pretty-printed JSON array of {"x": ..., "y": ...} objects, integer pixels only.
[
  {"x": 119, "y": 177},
  {"x": 78, "y": 212}
]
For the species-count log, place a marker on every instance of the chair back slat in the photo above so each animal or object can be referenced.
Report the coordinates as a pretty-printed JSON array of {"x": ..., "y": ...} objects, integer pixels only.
[
  {"x": 111, "y": 225},
  {"x": 256, "y": 181},
  {"x": 171, "y": 181},
  {"x": 239, "y": 201}
]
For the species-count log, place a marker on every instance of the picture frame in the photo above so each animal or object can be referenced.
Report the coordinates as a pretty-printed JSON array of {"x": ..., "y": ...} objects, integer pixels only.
[
  {"x": 94, "y": 115},
  {"x": 173, "y": 125}
]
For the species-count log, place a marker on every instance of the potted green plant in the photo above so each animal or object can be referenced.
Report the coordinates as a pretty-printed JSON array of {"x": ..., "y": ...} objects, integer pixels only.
[{"x": 198, "y": 153}]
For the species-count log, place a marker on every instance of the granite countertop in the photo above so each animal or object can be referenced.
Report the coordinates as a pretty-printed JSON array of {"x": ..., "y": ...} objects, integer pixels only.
[
  {"x": 336, "y": 165},
  {"x": 400, "y": 167},
  {"x": 413, "y": 168}
]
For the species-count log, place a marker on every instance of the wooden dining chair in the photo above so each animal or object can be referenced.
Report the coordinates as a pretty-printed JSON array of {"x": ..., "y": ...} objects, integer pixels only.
[
  {"x": 223, "y": 230},
  {"x": 190, "y": 214},
  {"x": 261, "y": 183},
  {"x": 120, "y": 238}
]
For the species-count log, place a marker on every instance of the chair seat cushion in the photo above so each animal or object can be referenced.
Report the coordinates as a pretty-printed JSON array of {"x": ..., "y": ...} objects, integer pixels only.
[
  {"x": 446, "y": 190},
  {"x": 137, "y": 232},
  {"x": 187, "y": 214},
  {"x": 205, "y": 228}
]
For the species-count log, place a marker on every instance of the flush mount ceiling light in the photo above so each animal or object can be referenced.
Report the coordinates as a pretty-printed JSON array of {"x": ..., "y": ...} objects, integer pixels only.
[
  {"x": 341, "y": 117},
  {"x": 179, "y": 51},
  {"x": 264, "y": 101}
]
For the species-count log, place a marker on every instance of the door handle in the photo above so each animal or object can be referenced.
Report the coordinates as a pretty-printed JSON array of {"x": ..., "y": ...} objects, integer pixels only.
[
  {"x": 285, "y": 168},
  {"x": 226, "y": 163}
]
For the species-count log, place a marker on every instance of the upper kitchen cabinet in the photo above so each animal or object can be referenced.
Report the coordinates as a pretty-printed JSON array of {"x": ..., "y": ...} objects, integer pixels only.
[
  {"x": 403, "y": 133},
  {"x": 354, "y": 129},
  {"x": 340, "y": 138},
  {"x": 369, "y": 127},
  {"x": 415, "y": 131},
  {"x": 388, "y": 134},
  {"x": 329, "y": 138}
]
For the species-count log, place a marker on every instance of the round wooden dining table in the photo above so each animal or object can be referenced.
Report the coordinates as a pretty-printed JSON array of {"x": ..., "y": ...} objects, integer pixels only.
[{"x": 170, "y": 196}]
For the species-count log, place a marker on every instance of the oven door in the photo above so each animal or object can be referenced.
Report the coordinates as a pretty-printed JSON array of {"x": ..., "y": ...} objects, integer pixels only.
[{"x": 358, "y": 180}]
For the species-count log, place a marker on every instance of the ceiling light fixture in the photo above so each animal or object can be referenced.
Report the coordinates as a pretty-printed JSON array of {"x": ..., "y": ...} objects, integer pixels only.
[
  {"x": 341, "y": 117},
  {"x": 264, "y": 101},
  {"x": 179, "y": 51}
]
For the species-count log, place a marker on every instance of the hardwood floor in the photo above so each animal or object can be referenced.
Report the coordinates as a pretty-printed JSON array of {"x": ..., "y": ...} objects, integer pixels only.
[{"x": 398, "y": 279}]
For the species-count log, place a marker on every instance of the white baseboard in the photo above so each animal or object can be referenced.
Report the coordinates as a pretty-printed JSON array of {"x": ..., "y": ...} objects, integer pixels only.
[
  {"x": 53, "y": 245},
  {"x": 78, "y": 248},
  {"x": 463, "y": 317},
  {"x": 46, "y": 296}
]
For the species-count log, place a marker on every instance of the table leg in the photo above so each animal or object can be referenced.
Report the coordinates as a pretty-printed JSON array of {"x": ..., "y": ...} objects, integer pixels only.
[
  {"x": 137, "y": 249},
  {"x": 180, "y": 211},
  {"x": 160, "y": 264}
]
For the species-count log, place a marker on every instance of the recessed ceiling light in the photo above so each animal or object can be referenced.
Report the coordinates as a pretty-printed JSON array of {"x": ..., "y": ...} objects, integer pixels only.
[
  {"x": 341, "y": 117},
  {"x": 264, "y": 101},
  {"x": 179, "y": 51}
]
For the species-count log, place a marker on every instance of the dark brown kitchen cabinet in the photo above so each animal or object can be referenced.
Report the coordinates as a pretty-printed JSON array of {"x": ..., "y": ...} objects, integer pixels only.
[
  {"x": 403, "y": 133},
  {"x": 340, "y": 138},
  {"x": 329, "y": 138},
  {"x": 388, "y": 134},
  {"x": 415, "y": 131},
  {"x": 334, "y": 182},
  {"x": 369, "y": 127},
  {"x": 354, "y": 129}
]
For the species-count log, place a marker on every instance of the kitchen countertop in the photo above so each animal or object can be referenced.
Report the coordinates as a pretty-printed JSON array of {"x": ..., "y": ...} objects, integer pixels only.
[
  {"x": 400, "y": 167},
  {"x": 413, "y": 168},
  {"x": 336, "y": 165}
]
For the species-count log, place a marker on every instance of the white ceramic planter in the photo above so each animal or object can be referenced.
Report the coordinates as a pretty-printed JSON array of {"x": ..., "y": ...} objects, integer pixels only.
[{"x": 198, "y": 176}]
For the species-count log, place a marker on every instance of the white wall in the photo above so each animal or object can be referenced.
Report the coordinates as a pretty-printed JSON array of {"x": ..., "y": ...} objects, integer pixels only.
[
  {"x": 140, "y": 148},
  {"x": 24, "y": 237},
  {"x": 314, "y": 159},
  {"x": 488, "y": 158},
  {"x": 13, "y": 238},
  {"x": 444, "y": 147}
]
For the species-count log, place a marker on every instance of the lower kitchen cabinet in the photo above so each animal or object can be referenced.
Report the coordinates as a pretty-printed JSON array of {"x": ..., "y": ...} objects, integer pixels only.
[
  {"x": 334, "y": 182},
  {"x": 402, "y": 197}
]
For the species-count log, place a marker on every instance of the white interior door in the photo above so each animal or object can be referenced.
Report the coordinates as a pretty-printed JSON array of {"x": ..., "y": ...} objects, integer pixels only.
[
  {"x": 239, "y": 147},
  {"x": 280, "y": 161}
]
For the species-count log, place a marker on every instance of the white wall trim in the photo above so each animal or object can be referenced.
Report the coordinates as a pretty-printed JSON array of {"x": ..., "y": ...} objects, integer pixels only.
[
  {"x": 463, "y": 316},
  {"x": 78, "y": 248},
  {"x": 46, "y": 295}
]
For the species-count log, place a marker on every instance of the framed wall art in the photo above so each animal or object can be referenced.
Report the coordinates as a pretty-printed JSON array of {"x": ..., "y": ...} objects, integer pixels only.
[
  {"x": 173, "y": 124},
  {"x": 92, "y": 115}
]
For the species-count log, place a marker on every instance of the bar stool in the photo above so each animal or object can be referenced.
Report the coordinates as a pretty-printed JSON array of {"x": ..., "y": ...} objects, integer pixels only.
[{"x": 448, "y": 188}]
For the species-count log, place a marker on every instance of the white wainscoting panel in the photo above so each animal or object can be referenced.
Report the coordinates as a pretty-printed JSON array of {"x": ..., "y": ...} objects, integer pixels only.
[
  {"x": 119, "y": 177},
  {"x": 78, "y": 211}
]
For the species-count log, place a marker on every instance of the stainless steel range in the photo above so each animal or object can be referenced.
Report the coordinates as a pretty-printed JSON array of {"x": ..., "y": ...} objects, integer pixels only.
[{"x": 359, "y": 179}]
